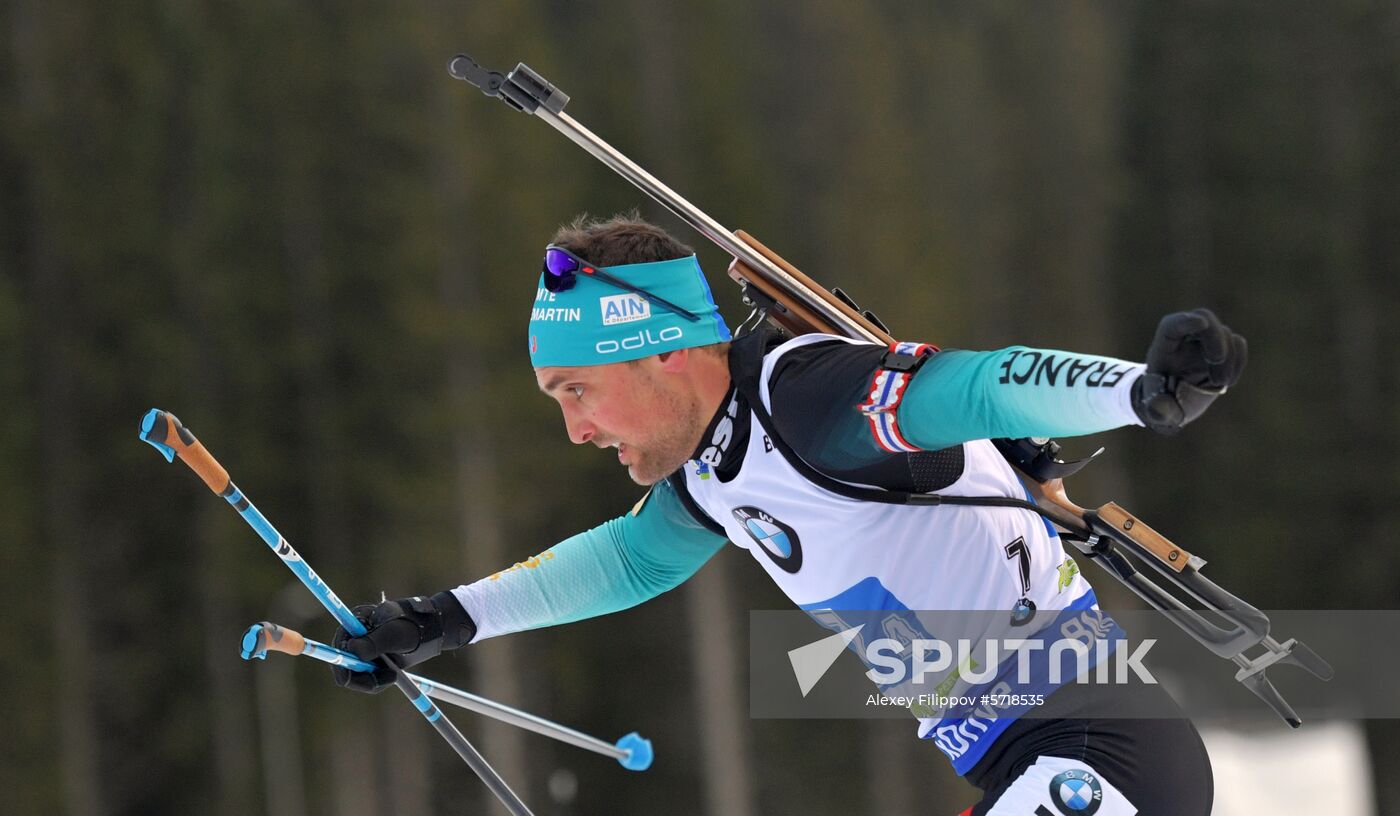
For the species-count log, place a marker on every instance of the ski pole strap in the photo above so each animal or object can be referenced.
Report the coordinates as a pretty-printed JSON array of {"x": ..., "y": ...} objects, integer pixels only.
[{"x": 886, "y": 390}]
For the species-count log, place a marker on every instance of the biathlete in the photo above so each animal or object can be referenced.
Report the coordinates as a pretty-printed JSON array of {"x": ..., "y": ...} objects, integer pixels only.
[{"x": 775, "y": 445}]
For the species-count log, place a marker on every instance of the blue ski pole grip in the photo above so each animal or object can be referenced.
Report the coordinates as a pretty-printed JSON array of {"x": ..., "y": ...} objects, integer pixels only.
[
  {"x": 151, "y": 435},
  {"x": 265, "y": 637},
  {"x": 639, "y": 753},
  {"x": 253, "y": 646},
  {"x": 163, "y": 431}
]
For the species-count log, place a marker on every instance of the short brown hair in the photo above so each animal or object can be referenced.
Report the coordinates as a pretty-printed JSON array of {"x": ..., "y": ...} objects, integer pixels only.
[{"x": 623, "y": 239}]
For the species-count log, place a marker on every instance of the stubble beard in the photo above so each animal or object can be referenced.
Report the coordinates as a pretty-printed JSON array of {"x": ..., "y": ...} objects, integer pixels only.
[{"x": 674, "y": 442}]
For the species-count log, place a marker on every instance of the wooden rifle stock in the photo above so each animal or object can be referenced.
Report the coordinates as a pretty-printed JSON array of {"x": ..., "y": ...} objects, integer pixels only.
[{"x": 790, "y": 315}]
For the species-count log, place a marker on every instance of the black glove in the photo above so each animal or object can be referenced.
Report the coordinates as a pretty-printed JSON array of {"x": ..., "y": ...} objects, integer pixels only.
[
  {"x": 411, "y": 629},
  {"x": 1193, "y": 359}
]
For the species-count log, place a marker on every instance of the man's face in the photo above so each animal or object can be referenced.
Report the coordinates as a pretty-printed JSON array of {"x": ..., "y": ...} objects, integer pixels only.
[{"x": 638, "y": 408}]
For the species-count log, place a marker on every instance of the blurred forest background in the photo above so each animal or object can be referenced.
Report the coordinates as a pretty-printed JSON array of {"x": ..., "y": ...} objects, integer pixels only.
[{"x": 286, "y": 224}]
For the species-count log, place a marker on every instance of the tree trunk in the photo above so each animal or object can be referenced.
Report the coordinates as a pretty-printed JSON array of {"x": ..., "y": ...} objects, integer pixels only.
[
  {"x": 894, "y": 784},
  {"x": 480, "y": 528},
  {"x": 357, "y": 788},
  {"x": 230, "y": 710},
  {"x": 61, "y": 493},
  {"x": 279, "y": 715}
]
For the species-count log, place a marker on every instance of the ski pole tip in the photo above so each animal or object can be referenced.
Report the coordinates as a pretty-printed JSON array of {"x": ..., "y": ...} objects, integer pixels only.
[
  {"x": 153, "y": 430},
  {"x": 639, "y": 752},
  {"x": 254, "y": 643}
]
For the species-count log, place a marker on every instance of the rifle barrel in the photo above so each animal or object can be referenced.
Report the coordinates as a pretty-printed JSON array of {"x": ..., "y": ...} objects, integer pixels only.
[{"x": 700, "y": 221}]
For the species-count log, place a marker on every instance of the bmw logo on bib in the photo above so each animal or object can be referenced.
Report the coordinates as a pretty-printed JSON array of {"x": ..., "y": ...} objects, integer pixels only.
[
  {"x": 1023, "y": 612},
  {"x": 775, "y": 538},
  {"x": 1076, "y": 793}
]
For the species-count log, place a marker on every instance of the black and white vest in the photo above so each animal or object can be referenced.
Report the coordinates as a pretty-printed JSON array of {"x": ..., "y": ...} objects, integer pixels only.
[{"x": 848, "y": 561}]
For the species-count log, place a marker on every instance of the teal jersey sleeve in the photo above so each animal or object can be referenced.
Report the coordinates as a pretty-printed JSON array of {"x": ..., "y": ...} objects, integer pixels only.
[
  {"x": 959, "y": 396},
  {"x": 614, "y": 566}
]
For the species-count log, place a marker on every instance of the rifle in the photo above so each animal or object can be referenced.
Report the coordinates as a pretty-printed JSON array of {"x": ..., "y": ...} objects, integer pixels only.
[{"x": 785, "y": 297}]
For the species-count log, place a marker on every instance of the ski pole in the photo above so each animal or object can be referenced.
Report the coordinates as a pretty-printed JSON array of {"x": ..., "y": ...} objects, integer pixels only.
[
  {"x": 163, "y": 431},
  {"x": 632, "y": 751}
]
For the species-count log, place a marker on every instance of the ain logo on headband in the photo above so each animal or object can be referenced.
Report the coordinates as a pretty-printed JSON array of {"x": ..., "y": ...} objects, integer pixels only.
[{"x": 624, "y": 308}]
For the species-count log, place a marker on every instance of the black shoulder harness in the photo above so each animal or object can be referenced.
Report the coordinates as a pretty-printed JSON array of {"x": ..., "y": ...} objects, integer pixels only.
[{"x": 746, "y": 366}]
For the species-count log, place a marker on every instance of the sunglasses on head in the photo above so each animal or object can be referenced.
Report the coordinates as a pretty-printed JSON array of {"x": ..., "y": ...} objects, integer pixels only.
[{"x": 562, "y": 268}]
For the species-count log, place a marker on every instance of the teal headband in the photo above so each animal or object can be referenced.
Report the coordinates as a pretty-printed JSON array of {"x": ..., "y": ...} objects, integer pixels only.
[{"x": 595, "y": 322}]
